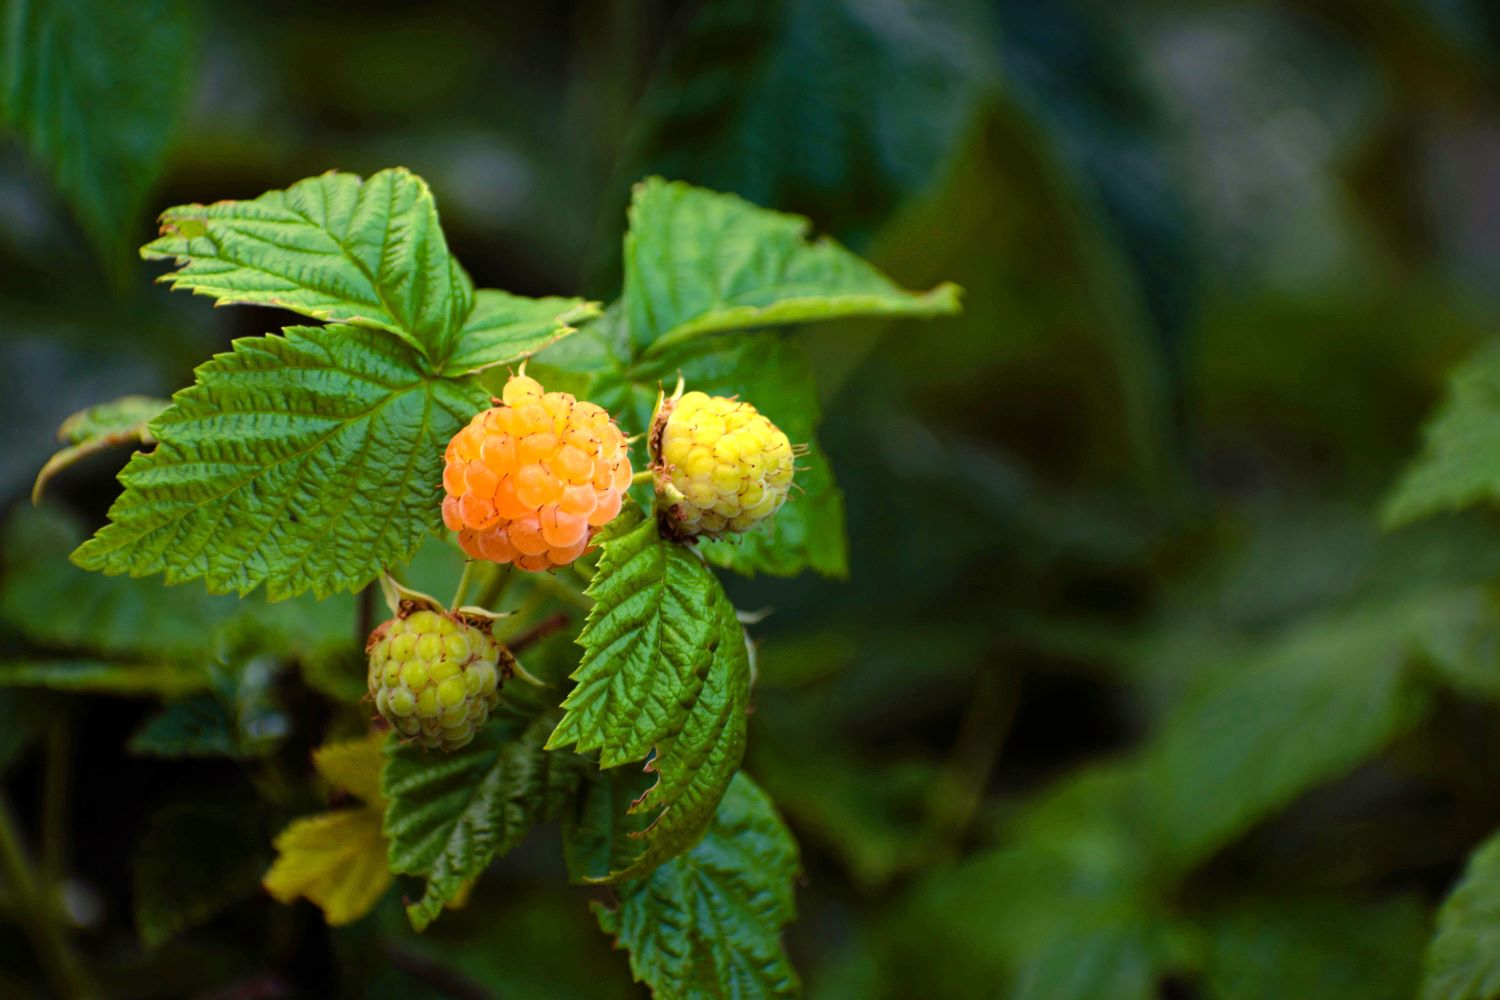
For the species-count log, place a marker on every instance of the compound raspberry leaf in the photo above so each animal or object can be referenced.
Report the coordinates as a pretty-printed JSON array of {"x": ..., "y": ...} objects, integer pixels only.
[
  {"x": 97, "y": 113},
  {"x": 1460, "y": 463},
  {"x": 450, "y": 815},
  {"x": 334, "y": 247},
  {"x": 1463, "y": 958},
  {"x": 305, "y": 462},
  {"x": 699, "y": 262},
  {"x": 647, "y": 644},
  {"x": 503, "y": 328},
  {"x": 708, "y": 923}
]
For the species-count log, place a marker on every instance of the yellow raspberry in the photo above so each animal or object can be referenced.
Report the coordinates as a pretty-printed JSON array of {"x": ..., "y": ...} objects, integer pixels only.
[
  {"x": 719, "y": 465},
  {"x": 531, "y": 479},
  {"x": 436, "y": 676}
]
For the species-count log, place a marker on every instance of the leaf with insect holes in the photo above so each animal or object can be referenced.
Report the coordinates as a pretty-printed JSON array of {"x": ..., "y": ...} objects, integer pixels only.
[
  {"x": 708, "y": 923},
  {"x": 305, "y": 462},
  {"x": 699, "y": 262},
  {"x": 334, "y": 247}
]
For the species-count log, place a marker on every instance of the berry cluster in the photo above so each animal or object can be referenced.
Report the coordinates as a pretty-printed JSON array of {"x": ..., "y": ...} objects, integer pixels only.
[
  {"x": 531, "y": 479},
  {"x": 720, "y": 465},
  {"x": 435, "y": 677}
]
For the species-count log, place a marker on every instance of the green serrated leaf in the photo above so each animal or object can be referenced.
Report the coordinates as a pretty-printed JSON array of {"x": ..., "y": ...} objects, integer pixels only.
[
  {"x": 1460, "y": 461},
  {"x": 695, "y": 766},
  {"x": 699, "y": 262},
  {"x": 97, "y": 428},
  {"x": 98, "y": 114},
  {"x": 449, "y": 816},
  {"x": 770, "y": 370},
  {"x": 646, "y": 644},
  {"x": 505, "y": 328},
  {"x": 1313, "y": 706},
  {"x": 304, "y": 462},
  {"x": 333, "y": 247},
  {"x": 665, "y": 667},
  {"x": 1463, "y": 958},
  {"x": 92, "y": 676},
  {"x": 708, "y": 923},
  {"x": 194, "y": 860}
]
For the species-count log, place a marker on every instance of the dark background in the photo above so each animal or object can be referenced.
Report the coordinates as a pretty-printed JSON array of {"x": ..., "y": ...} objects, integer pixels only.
[{"x": 1218, "y": 260}]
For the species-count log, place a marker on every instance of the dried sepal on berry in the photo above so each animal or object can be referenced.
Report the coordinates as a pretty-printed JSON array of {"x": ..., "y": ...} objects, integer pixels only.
[
  {"x": 435, "y": 675},
  {"x": 530, "y": 480},
  {"x": 719, "y": 465}
]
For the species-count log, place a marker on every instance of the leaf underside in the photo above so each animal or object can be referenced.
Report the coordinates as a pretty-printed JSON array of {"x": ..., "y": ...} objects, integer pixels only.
[{"x": 450, "y": 816}]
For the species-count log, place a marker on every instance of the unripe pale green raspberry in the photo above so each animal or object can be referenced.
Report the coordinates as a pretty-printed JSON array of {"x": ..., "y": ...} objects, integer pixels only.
[
  {"x": 435, "y": 676},
  {"x": 719, "y": 465}
]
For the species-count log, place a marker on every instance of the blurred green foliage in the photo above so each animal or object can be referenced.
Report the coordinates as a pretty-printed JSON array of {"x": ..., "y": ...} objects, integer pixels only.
[{"x": 1127, "y": 694}]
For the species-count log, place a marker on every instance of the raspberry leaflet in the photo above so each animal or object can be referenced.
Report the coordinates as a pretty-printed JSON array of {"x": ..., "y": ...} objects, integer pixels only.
[{"x": 531, "y": 479}]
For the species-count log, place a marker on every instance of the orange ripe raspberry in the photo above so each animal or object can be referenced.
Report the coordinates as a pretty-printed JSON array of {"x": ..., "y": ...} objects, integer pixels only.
[{"x": 531, "y": 479}]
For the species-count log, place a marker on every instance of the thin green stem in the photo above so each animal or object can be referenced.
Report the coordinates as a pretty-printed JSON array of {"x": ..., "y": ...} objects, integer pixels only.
[
  {"x": 463, "y": 585},
  {"x": 644, "y": 476},
  {"x": 38, "y": 915}
]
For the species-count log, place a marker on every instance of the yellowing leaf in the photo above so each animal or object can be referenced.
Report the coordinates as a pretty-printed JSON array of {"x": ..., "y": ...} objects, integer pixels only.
[
  {"x": 336, "y": 860},
  {"x": 354, "y": 766}
]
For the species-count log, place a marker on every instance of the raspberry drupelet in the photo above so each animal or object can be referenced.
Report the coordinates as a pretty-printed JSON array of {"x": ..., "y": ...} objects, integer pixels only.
[{"x": 531, "y": 479}]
